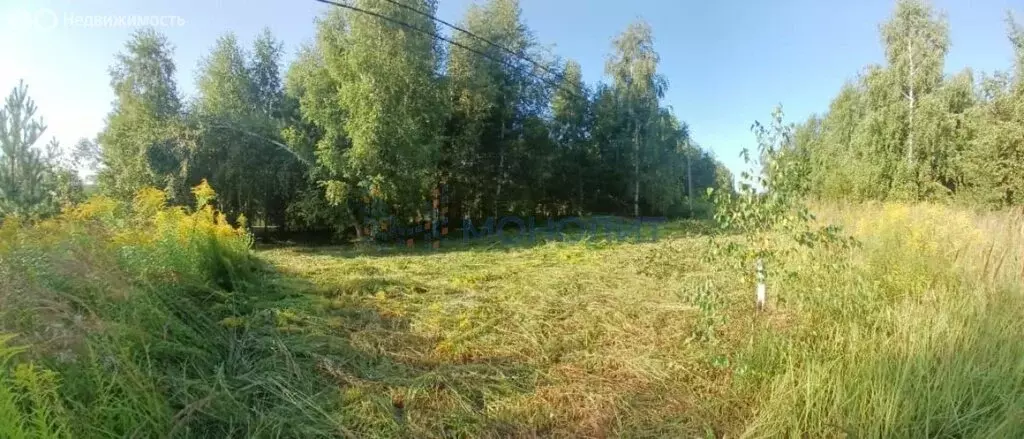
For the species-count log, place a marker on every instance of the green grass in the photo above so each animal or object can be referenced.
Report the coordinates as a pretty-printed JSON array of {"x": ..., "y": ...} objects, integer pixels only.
[
  {"x": 910, "y": 337},
  {"x": 148, "y": 322},
  {"x": 917, "y": 332},
  {"x": 541, "y": 340}
]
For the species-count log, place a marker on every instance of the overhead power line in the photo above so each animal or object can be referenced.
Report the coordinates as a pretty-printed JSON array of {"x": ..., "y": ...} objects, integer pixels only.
[
  {"x": 448, "y": 40},
  {"x": 264, "y": 138},
  {"x": 489, "y": 42}
]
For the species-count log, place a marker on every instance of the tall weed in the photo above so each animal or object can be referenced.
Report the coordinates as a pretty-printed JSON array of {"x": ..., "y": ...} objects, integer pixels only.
[
  {"x": 153, "y": 318},
  {"x": 936, "y": 345}
]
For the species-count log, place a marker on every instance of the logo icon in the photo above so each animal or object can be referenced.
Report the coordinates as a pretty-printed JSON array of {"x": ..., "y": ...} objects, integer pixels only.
[{"x": 39, "y": 19}]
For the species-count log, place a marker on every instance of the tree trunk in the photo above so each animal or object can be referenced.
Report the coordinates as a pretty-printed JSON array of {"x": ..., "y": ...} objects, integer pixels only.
[
  {"x": 579, "y": 191},
  {"x": 357, "y": 221},
  {"x": 636, "y": 171},
  {"x": 689, "y": 181},
  {"x": 501, "y": 169},
  {"x": 456, "y": 210},
  {"x": 911, "y": 100}
]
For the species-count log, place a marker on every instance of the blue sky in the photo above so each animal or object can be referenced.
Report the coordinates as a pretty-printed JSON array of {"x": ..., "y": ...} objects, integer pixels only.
[{"x": 728, "y": 62}]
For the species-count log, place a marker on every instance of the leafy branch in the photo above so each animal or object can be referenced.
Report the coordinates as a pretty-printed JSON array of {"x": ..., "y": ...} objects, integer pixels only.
[{"x": 769, "y": 209}]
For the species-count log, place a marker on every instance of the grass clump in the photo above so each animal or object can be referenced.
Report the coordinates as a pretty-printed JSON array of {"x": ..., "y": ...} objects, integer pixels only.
[
  {"x": 146, "y": 320},
  {"x": 29, "y": 406},
  {"x": 922, "y": 337}
]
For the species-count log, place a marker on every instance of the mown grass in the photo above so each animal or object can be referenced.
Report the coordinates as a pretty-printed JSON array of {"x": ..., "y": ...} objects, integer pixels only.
[{"x": 915, "y": 332}]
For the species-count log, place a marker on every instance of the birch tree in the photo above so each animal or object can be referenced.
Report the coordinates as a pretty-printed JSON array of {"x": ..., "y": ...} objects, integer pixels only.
[
  {"x": 916, "y": 43},
  {"x": 391, "y": 90},
  {"x": 144, "y": 142},
  {"x": 638, "y": 88}
]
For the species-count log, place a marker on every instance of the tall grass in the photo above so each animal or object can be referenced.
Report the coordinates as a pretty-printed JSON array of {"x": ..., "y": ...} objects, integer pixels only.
[
  {"x": 144, "y": 320},
  {"x": 931, "y": 343},
  {"x": 147, "y": 321},
  {"x": 29, "y": 406}
]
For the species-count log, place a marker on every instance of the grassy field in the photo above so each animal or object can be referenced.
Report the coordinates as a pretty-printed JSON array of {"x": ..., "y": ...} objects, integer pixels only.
[
  {"x": 918, "y": 332},
  {"x": 157, "y": 322}
]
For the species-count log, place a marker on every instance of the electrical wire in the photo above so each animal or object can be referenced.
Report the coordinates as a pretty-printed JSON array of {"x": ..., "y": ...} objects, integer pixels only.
[
  {"x": 489, "y": 42},
  {"x": 447, "y": 40}
]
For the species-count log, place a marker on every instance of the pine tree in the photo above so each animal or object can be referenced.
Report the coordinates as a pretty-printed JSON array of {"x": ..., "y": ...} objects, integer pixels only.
[{"x": 28, "y": 174}]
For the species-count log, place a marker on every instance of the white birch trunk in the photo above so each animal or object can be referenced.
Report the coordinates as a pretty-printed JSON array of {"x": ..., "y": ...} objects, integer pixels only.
[{"x": 912, "y": 103}]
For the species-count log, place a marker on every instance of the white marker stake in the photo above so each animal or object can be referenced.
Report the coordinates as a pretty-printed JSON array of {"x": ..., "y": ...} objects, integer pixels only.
[{"x": 762, "y": 290}]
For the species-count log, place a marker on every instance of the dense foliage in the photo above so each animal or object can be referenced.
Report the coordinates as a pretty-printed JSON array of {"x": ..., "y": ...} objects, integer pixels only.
[
  {"x": 371, "y": 118},
  {"x": 905, "y": 131}
]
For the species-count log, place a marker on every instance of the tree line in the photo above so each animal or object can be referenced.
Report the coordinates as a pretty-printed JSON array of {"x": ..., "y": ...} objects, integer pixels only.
[
  {"x": 904, "y": 130},
  {"x": 374, "y": 115}
]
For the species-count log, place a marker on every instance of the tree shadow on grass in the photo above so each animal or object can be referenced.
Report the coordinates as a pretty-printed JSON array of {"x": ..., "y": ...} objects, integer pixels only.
[
  {"x": 390, "y": 379},
  {"x": 508, "y": 241}
]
